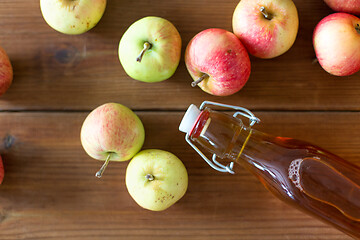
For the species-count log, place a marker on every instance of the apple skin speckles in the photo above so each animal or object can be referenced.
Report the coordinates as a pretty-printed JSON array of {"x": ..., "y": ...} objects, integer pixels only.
[
  {"x": 168, "y": 186},
  {"x": 334, "y": 56},
  {"x": 221, "y": 55},
  {"x": 112, "y": 128},
  {"x": 72, "y": 16},
  {"x": 266, "y": 37}
]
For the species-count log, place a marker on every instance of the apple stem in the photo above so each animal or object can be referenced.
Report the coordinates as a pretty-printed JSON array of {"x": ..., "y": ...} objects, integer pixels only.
[
  {"x": 149, "y": 177},
  {"x": 315, "y": 60},
  {"x": 357, "y": 28},
  {"x": 99, "y": 173},
  {"x": 265, "y": 13},
  {"x": 147, "y": 46},
  {"x": 199, "y": 80}
]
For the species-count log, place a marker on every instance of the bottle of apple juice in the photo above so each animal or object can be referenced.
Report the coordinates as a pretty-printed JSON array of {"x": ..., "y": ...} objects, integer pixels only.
[{"x": 299, "y": 173}]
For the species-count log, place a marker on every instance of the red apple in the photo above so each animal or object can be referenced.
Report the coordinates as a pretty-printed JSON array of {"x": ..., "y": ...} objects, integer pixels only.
[
  {"x": 218, "y": 62},
  {"x": 6, "y": 72},
  {"x": 348, "y": 6},
  {"x": 1, "y": 170},
  {"x": 337, "y": 44},
  {"x": 267, "y": 28}
]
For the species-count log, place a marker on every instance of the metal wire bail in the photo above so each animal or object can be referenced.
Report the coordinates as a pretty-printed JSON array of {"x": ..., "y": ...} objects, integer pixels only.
[{"x": 240, "y": 111}]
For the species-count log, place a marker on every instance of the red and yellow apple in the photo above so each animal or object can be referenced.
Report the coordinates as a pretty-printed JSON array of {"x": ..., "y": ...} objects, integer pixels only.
[
  {"x": 72, "y": 16},
  {"x": 336, "y": 42},
  {"x": 156, "y": 179},
  {"x": 6, "y": 72},
  {"x": 218, "y": 62},
  {"x": 348, "y": 6},
  {"x": 267, "y": 28},
  {"x": 112, "y": 132}
]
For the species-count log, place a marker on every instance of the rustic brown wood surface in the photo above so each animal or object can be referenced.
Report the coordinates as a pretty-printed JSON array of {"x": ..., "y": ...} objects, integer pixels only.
[
  {"x": 49, "y": 190},
  {"x": 56, "y": 71}
]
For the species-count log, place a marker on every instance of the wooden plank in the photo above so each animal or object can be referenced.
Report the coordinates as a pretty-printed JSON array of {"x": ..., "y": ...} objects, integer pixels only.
[
  {"x": 50, "y": 192},
  {"x": 56, "y": 71}
]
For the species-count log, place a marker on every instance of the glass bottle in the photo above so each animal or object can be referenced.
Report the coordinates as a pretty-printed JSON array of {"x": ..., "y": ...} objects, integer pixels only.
[{"x": 299, "y": 173}]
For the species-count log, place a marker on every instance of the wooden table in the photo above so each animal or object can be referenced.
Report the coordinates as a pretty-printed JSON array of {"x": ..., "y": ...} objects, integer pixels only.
[{"x": 50, "y": 192}]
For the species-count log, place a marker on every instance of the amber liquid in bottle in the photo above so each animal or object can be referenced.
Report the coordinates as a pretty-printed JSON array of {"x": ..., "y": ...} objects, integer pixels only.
[{"x": 301, "y": 174}]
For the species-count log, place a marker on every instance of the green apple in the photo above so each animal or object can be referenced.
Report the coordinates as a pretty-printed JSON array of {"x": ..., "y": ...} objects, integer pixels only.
[
  {"x": 156, "y": 179},
  {"x": 112, "y": 132},
  {"x": 150, "y": 49},
  {"x": 72, "y": 16}
]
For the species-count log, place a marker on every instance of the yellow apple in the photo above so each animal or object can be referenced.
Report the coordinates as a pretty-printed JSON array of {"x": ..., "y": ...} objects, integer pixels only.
[
  {"x": 156, "y": 179},
  {"x": 72, "y": 16}
]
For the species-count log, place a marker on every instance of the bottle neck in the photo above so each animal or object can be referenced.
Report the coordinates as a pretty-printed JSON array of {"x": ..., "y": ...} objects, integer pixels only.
[
  {"x": 221, "y": 134},
  {"x": 227, "y": 137}
]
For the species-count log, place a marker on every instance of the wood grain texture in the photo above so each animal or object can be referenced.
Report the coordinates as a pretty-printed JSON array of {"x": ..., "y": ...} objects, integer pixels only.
[
  {"x": 56, "y": 71},
  {"x": 50, "y": 192}
]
